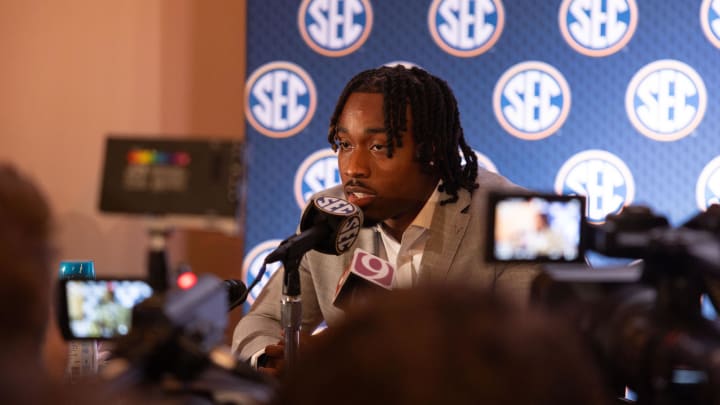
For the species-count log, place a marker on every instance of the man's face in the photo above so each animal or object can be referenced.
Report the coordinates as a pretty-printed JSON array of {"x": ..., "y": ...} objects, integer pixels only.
[{"x": 390, "y": 190}]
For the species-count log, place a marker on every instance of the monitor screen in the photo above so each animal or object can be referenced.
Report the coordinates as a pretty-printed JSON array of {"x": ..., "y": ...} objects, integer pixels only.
[
  {"x": 535, "y": 227},
  {"x": 162, "y": 176}
]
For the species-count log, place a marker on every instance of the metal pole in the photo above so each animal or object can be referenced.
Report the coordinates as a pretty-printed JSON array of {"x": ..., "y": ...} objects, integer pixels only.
[{"x": 291, "y": 310}]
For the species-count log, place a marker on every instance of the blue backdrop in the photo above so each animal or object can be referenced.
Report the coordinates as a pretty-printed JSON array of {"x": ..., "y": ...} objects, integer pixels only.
[{"x": 613, "y": 99}]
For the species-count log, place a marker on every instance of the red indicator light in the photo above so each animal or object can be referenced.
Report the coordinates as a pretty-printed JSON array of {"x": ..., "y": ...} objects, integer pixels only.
[{"x": 187, "y": 280}]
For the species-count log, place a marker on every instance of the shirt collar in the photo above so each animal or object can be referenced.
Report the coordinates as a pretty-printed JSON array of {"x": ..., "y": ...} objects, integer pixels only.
[{"x": 424, "y": 218}]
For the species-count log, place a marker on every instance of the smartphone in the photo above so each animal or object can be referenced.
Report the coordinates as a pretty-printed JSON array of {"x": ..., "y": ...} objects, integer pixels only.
[
  {"x": 529, "y": 227},
  {"x": 99, "y": 309}
]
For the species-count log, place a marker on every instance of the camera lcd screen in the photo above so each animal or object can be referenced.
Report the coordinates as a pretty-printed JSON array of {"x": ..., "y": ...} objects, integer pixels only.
[
  {"x": 535, "y": 228},
  {"x": 99, "y": 309}
]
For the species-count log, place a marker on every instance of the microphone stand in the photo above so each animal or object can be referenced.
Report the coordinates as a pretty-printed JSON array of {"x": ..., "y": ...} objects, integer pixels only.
[
  {"x": 290, "y": 252},
  {"x": 291, "y": 308}
]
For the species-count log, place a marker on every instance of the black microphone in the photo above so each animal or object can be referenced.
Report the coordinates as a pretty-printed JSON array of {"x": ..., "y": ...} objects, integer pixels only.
[
  {"x": 236, "y": 292},
  {"x": 367, "y": 276},
  {"x": 329, "y": 225}
]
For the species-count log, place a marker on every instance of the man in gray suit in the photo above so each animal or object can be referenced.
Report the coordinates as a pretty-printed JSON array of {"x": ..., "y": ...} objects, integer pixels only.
[{"x": 400, "y": 146}]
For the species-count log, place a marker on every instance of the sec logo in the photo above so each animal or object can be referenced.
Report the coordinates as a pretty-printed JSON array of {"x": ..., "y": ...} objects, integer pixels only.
[
  {"x": 598, "y": 27},
  {"x": 333, "y": 205},
  {"x": 466, "y": 28},
  {"x": 317, "y": 172},
  {"x": 666, "y": 100},
  {"x": 707, "y": 189},
  {"x": 710, "y": 20},
  {"x": 253, "y": 263},
  {"x": 531, "y": 100},
  {"x": 348, "y": 232},
  {"x": 602, "y": 178},
  {"x": 335, "y": 27},
  {"x": 280, "y": 99}
]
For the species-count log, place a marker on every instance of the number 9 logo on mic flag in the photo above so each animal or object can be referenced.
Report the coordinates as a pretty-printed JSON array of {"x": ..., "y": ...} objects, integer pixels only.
[{"x": 373, "y": 268}]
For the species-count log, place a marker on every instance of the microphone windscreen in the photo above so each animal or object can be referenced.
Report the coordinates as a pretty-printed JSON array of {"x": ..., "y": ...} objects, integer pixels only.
[
  {"x": 236, "y": 291},
  {"x": 342, "y": 218}
]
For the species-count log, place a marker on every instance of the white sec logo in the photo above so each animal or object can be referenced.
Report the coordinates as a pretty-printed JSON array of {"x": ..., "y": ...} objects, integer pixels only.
[
  {"x": 335, "y": 27},
  {"x": 466, "y": 28},
  {"x": 666, "y": 100},
  {"x": 253, "y": 263},
  {"x": 598, "y": 27},
  {"x": 317, "y": 172},
  {"x": 710, "y": 20},
  {"x": 707, "y": 190},
  {"x": 280, "y": 99},
  {"x": 602, "y": 178},
  {"x": 531, "y": 100}
]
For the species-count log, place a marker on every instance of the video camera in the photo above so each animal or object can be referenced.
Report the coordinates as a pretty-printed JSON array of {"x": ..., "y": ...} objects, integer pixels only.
[
  {"x": 166, "y": 343},
  {"x": 643, "y": 320},
  {"x": 176, "y": 337}
]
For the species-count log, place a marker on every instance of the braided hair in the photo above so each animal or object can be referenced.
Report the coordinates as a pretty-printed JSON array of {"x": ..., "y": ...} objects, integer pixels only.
[{"x": 436, "y": 130}]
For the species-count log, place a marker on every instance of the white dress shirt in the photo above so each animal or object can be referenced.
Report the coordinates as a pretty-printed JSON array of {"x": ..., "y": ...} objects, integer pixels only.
[{"x": 407, "y": 253}]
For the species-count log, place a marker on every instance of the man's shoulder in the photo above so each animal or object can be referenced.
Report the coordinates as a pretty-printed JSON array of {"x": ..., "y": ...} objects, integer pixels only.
[{"x": 488, "y": 181}]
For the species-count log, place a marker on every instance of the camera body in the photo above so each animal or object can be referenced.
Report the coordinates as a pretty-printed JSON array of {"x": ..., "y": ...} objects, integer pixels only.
[{"x": 643, "y": 321}]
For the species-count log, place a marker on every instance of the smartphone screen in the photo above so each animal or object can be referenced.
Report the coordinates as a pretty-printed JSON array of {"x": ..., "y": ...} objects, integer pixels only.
[
  {"x": 99, "y": 309},
  {"x": 535, "y": 228}
]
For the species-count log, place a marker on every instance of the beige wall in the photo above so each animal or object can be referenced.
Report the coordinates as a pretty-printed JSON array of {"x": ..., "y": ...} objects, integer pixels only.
[{"x": 72, "y": 71}]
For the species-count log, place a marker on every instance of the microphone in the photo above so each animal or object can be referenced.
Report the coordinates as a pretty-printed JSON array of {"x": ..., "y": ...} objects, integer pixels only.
[
  {"x": 329, "y": 225},
  {"x": 236, "y": 292},
  {"x": 367, "y": 276}
]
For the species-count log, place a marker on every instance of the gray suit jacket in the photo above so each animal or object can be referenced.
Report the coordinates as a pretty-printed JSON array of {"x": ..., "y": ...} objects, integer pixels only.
[{"x": 454, "y": 251}]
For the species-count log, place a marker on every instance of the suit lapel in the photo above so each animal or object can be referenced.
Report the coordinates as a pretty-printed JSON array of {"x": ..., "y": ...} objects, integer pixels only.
[
  {"x": 367, "y": 240},
  {"x": 448, "y": 227}
]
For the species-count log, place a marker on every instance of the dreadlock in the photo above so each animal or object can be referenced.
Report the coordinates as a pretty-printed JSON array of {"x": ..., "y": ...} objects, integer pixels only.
[{"x": 436, "y": 122}]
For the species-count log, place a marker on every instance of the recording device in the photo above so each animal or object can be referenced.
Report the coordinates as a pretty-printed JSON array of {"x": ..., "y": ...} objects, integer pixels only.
[
  {"x": 99, "y": 309},
  {"x": 329, "y": 225},
  {"x": 366, "y": 276},
  {"x": 175, "y": 343},
  {"x": 102, "y": 309},
  {"x": 644, "y": 321},
  {"x": 535, "y": 228}
]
